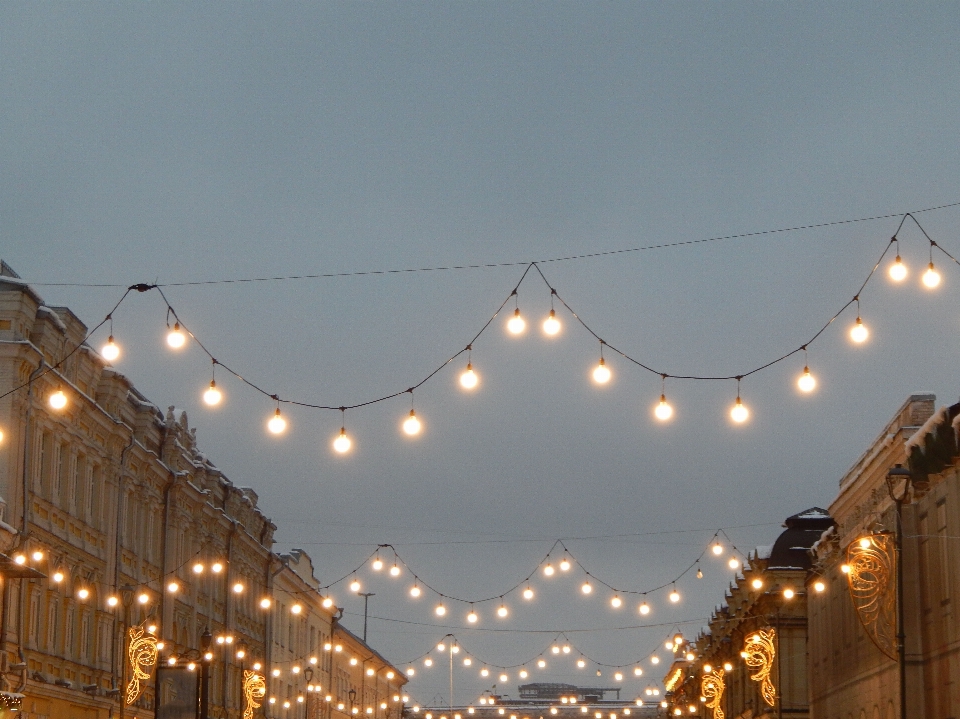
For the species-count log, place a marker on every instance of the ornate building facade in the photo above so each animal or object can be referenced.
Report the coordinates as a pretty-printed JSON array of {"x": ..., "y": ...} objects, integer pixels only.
[{"x": 113, "y": 519}]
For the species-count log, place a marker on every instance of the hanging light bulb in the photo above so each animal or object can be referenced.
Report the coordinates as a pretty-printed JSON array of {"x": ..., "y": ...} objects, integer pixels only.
[
  {"x": 502, "y": 611},
  {"x": 663, "y": 411},
  {"x": 586, "y": 587},
  {"x": 551, "y": 325},
  {"x": 931, "y": 278},
  {"x": 739, "y": 413},
  {"x": 440, "y": 610},
  {"x": 548, "y": 569},
  {"x": 581, "y": 663},
  {"x": 859, "y": 331},
  {"x": 327, "y": 602},
  {"x": 898, "y": 270},
  {"x": 110, "y": 350},
  {"x": 734, "y": 563},
  {"x": 377, "y": 564},
  {"x": 717, "y": 548},
  {"x": 415, "y": 590},
  {"x": 644, "y": 608},
  {"x": 411, "y": 424},
  {"x": 58, "y": 400},
  {"x": 601, "y": 373},
  {"x": 277, "y": 424},
  {"x": 469, "y": 378},
  {"x": 175, "y": 337},
  {"x": 355, "y": 585},
  {"x": 674, "y": 596},
  {"x": 616, "y": 601},
  {"x": 524, "y": 674},
  {"x": 516, "y": 324},
  {"x": 472, "y": 617},
  {"x": 528, "y": 592},
  {"x": 565, "y": 564},
  {"x": 542, "y": 663},
  {"x": 699, "y": 573},
  {"x": 342, "y": 443},
  {"x": 213, "y": 395},
  {"x": 394, "y": 570},
  {"x": 806, "y": 382}
]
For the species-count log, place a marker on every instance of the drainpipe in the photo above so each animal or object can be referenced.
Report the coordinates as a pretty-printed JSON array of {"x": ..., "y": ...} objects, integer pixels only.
[
  {"x": 121, "y": 640},
  {"x": 228, "y": 610}
]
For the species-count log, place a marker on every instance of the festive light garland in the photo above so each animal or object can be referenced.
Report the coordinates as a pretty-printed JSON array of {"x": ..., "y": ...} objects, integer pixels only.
[{"x": 178, "y": 334}]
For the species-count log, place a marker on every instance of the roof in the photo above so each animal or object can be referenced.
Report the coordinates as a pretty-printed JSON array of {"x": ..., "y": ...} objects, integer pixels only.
[{"x": 790, "y": 551}]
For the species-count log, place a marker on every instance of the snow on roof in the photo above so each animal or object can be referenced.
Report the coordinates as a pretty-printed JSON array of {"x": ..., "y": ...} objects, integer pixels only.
[
  {"x": 44, "y": 310},
  {"x": 813, "y": 513},
  {"x": 917, "y": 438}
]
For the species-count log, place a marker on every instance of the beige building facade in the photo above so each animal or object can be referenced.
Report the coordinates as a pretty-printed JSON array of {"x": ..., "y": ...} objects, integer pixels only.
[{"x": 120, "y": 521}]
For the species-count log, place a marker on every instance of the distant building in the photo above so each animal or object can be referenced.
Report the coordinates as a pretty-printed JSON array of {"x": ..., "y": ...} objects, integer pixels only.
[
  {"x": 111, "y": 516},
  {"x": 764, "y": 609}
]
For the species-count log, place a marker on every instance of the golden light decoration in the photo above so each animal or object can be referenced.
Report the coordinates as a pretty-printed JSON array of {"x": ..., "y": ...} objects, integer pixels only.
[
  {"x": 601, "y": 373},
  {"x": 859, "y": 331},
  {"x": 58, "y": 400},
  {"x": 712, "y": 686},
  {"x": 412, "y": 425},
  {"x": 898, "y": 270},
  {"x": 663, "y": 411},
  {"x": 551, "y": 325},
  {"x": 254, "y": 690},
  {"x": 807, "y": 382},
  {"x": 739, "y": 413},
  {"x": 871, "y": 569},
  {"x": 931, "y": 278},
  {"x": 277, "y": 424},
  {"x": 758, "y": 653},
  {"x": 141, "y": 654},
  {"x": 469, "y": 379},
  {"x": 342, "y": 443},
  {"x": 175, "y": 337},
  {"x": 670, "y": 683},
  {"x": 213, "y": 395},
  {"x": 110, "y": 350}
]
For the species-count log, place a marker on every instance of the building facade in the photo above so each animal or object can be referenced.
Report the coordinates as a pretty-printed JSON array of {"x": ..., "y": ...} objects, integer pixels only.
[
  {"x": 854, "y": 663},
  {"x": 111, "y": 519}
]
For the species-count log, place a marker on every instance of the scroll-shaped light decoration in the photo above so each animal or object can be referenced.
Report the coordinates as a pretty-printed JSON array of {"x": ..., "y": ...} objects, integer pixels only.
[
  {"x": 872, "y": 563},
  {"x": 254, "y": 689},
  {"x": 141, "y": 654},
  {"x": 758, "y": 652},
  {"x": 712, "y": 686}
]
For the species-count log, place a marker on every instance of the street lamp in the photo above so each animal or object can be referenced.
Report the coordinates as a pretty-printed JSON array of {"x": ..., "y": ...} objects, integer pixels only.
[
  {"x": 206, "y": 656},
  {"x": 899, "y": 477},
  {"x": 308, "y": 678}
]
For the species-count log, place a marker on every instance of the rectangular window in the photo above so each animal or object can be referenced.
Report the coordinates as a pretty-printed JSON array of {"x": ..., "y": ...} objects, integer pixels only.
[
  {"x": 45, "y": 464},
  {"x": 85, "y": 636},
  {"x": 79, "y": 487},
  {"x": 53, "y": 610},
  {"x": 93, "y": 496},
  {"x": 34, "y": 634},
  {"x": 68, "y": 646},
  {"x": 61, "y": 454}
]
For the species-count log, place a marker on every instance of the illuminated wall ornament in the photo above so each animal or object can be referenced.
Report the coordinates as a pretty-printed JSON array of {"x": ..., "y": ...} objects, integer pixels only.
[
  {"x": 758, "y": 652},
  {"x": 712, "y": 686},
  {"x": 141, "y": 654},
  {"x": 671, "y": 683},
  {"x": 873, "y": 565},
  {"x": 254, "y": 688}
]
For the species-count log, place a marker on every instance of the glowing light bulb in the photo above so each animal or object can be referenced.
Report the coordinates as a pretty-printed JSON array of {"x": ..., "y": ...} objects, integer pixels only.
[
  {"x": 865, "y": 543},
  {"x": 845, "y": 568},
  {"x": 342, "y": 443},
  {"x": 411, "y": 424},
  {"x": 788, "y": 593},
  {"x": 216, "y": 567},
  {"x": 555, "y": 649},
  {"x": 58, "y": 577},
  {"x": 277, "y": 424},
  {"x": 663, "y": 411},
  {"x": 212, "y": 396},
  {"x": 859, "y": 332},
  {"x": 654, "y": 660},
  {"x": 564, "y": 564},
  {"x": 551, "y": 325},
  {"x": 238, "y": 588},
  {"x": 377, "y": 564},
  {"x": 58, "y": 400},
  {"x": 110, "y": 350},
  {"x": 112, "y": 601},
  {"x": 524, "y": 675},
  {"x": 265, "y": 603},
  {"x": 898, "y": 270},
  {"x": 415, "y": 591},
  {"x": 757, "y": 583},
  {"x": 327, "y": 602},
  {"x": 601, "y": 374},
  {"x": 484, "y": 672},
  {"x": 472, "y": 618},
  {"x": 581, "y": 663},
  {"x": 528, "y": 593},
  {"x": 175, "y": 337},
  {"x": 819, "y": 586},
  {"x": 502, "y": 611},
  {"x": 616, "y": 602},
  {"x": 296, "y": 609},
  {"x": 469, "y": 379},
  {"x": 806, "y": 382},
  {"x": 586, "y": 587},
  {"x": 739, "y": 413},
  {"x": 644, "y": 608},
  {"x": 83, "y": 593},
  {"x": 618, "y": 676},
  {"x": 355, "y": 585},
  {"x": 541, "y": 663},
  {"x": 566, "y": 648},
  {"x": 516, "y": 325},
  {"x": 440, "y": 610},
  {"x": 733, "y": 563},
  {"x": 637, "y": 672},
  {"x": 674, "y": 596},
  {"x": 394, "y": 571},
  {"x": 717, "y": 548},
  {"x": 548, "y": 569},
  {"x": 931, "y": 278}
]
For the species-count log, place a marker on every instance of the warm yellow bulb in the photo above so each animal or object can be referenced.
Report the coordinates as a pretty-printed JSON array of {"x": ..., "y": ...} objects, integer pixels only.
[
  {"x": 415, "y": 591},
  {"x": 586, "y": 588},
  {"x": 733, "y": 563},
  {"x": 898, "y": 270},
  {"x": 277, "y": 424},
  {"x": 663, "y": 411},
  {"x": 175, "y": 337},
  {"x": 859, "y": 332},
  {"x": 845, "y": 568},
  {"x": 212, "y": 396},
  {"x": 528, "y": 593},
  {"x": 143, "y": 598},
  {"x": 198, "y": 568},
  {"x": 110, "y": 350},
  {"x": 819, "y": 586},
  {"x": 296, "y": 609},
  {"x": 377, "y": 564},
  {"x": 173, "y": 587},
  {"x": 674, "y": 596},
  {"x": 739, "y": 413},
  {"x": 216, "y": 567},
  {"x": 502, "y": 611},
  {"x": 601, "y": 374},
  {"x": 265, "y": 603},
  {"x": 469, "y": 379},
  {"x": 83, "y": 593},
  {"x": 644, "y": 608},
  {"x": 931, "y": 278},
  {"x": 394, "y": 571},
  {"x": 355, "y": 585},
  {"x": 541, "y": 663},
  {"x": 806, "y": 382},
  {"x": 551, "y": 325},
  {"x": 865, "y": 542},
  {"x": 440, "y": 610},
  {"x": 412, "y": 425},
  {"x": 472, "y": 618},
  {"x": 57, "y": 577},
  {"x": 342, "y": 443},
  {"x": 757, "y": 583},
  {"x": 788, "y": 593},
  {"x": 717, "y": 548},
  {"x": 238, "y": 588},
  {"x": 112, "y": 601},
  {"x": 616, "y": 602},
  {"x": 58, "y": 400},
  {"x": 327, "y": 602},
  {"x": 564, "y": 564},
  {"x": 581, "y": 663},
  {"x": 516, "y": 325},
  {"x": 548, "y": 569}
]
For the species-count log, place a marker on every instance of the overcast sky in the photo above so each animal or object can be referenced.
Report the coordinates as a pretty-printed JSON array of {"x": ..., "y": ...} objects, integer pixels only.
[{"x": 176, "y": 142}]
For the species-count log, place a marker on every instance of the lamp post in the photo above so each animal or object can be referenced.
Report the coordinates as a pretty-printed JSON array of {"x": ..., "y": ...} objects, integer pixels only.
[
  {"x": 897, "y": 475},
  {"x": 206, "y": 639},
  {"x": 308, "y": 678}
]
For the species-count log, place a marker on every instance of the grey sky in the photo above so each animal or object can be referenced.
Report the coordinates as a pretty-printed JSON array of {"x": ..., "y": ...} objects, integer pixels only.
[{"x": 185, "y": 142}]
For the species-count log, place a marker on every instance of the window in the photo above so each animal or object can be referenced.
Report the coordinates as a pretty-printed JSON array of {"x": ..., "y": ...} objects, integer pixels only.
[
  {"x": 68, "y": 637},
  {"x": 53, "y": 607},
  {"x": 93, "y": 496},
  {"x": 34, "y": 633},
  {"x": 84, "y": 652},
  {"x": 45, "y": 464}
]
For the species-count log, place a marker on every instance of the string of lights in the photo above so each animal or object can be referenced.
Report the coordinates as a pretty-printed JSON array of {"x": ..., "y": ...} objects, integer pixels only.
[
  {"x": 516, "y": 325},
  {"x": 514, "y": 263}
]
